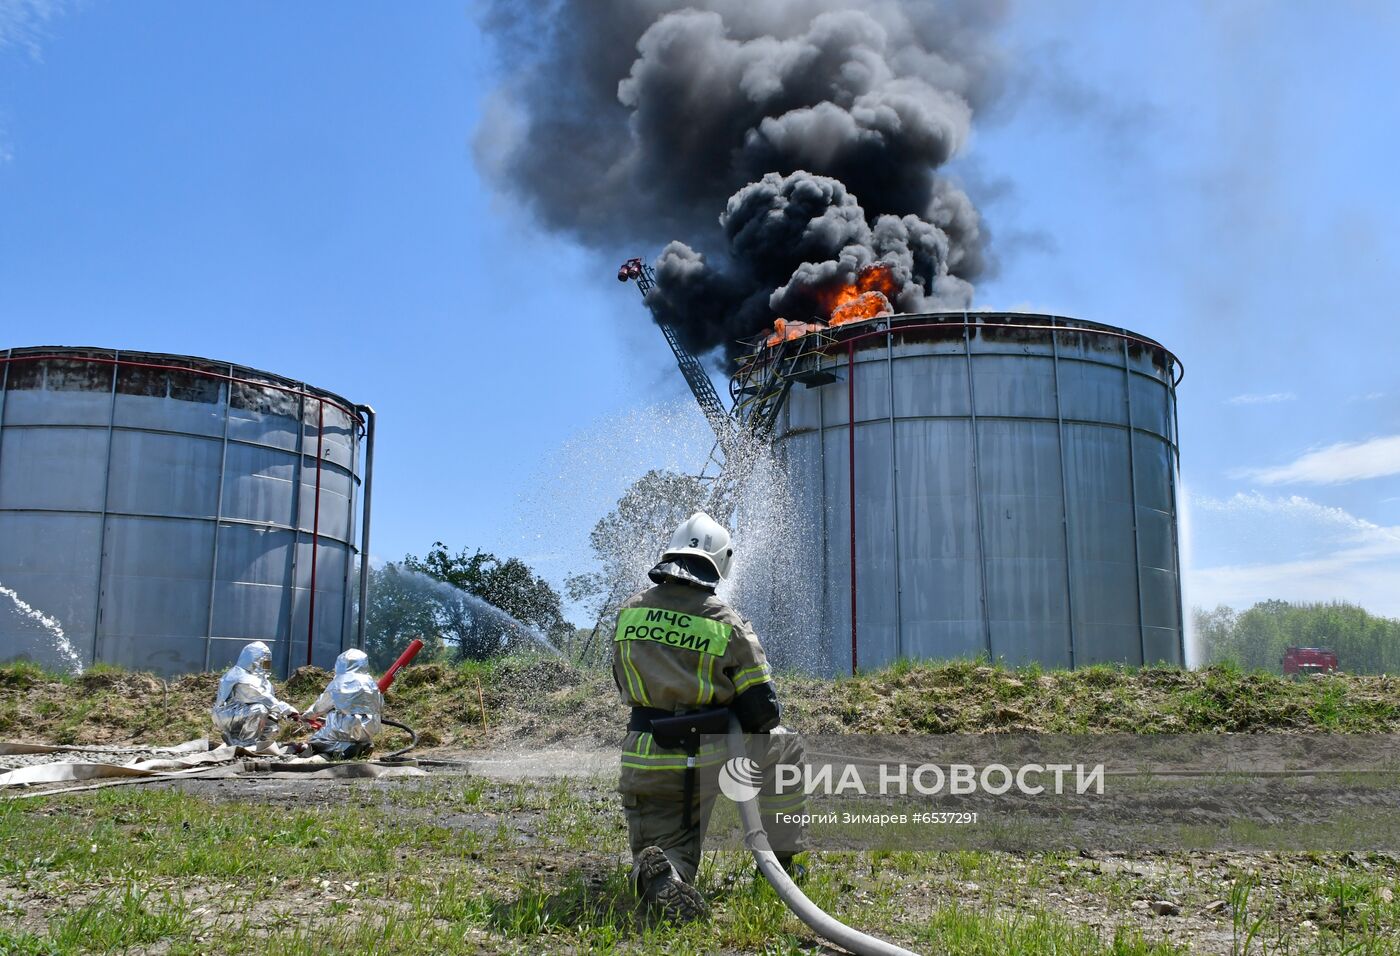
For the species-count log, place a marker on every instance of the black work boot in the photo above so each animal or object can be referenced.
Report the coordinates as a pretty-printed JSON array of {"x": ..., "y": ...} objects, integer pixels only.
[{"x": 660, "y": 886}]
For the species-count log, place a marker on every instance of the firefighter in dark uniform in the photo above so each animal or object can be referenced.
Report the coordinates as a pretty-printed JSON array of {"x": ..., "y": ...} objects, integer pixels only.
[{"x": 680, "y": 650}]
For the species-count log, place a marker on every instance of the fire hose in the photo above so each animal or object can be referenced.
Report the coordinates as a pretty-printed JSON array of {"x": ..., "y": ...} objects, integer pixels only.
[
  {"x": 824, "y": 925},
  {"x": 412, "y": 740}
]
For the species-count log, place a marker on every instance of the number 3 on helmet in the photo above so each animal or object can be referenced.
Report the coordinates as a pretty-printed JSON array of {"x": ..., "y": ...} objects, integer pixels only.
[{"x": 703, "y": 537}]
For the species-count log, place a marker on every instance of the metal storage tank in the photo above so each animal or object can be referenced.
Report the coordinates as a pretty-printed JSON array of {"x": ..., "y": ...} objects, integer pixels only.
[
  {"x": 160, "y": 511},
  {"x": 1008, "y": 491}
]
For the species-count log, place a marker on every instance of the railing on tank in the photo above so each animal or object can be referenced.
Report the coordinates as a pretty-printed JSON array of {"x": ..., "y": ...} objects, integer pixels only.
[
  {"x": 363, "y": 421},
  {"x": 971, "y": 321}
]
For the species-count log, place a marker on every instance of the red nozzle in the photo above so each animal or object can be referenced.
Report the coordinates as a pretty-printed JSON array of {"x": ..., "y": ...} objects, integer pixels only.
[{"x": 409, "y": 653}]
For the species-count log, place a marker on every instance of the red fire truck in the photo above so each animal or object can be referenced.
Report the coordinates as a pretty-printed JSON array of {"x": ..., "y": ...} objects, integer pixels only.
[{"x": 1304, "y": 661}]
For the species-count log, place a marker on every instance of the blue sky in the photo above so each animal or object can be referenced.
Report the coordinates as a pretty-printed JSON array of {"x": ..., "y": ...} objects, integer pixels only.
[{"x": 292, "y": 187}]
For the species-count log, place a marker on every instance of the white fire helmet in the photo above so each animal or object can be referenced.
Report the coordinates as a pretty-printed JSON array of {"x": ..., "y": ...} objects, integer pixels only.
[{"x": 703, "y": 537}]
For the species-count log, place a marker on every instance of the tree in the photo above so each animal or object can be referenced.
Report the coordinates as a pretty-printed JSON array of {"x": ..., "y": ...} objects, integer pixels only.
[
  {"x": 1256, "y": 639},
  {"x": 1215, "y": 632},
  {"x": 400, "y": 609},
  {"x": 484, "y": 601},
  {"x": 628, "y": 540}
]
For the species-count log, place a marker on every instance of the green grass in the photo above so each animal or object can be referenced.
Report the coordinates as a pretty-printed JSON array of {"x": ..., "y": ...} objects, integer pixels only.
[
  {"x": 23, "y": 674},
  {"x": 984, "y": 932},
  {"x": 464, "y": 865},
  {"x": 460, "y": 865}
]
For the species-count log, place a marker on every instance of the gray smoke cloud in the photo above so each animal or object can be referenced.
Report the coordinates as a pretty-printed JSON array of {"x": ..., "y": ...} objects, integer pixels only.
[{"x": 774, "y": 147}]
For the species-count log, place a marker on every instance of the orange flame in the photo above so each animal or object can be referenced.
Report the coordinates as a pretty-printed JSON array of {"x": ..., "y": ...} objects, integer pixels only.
[
  {"x": 876, "y": 278},
  {"x": 785, "y": 331},
  {"x": 866, "y": 305}
]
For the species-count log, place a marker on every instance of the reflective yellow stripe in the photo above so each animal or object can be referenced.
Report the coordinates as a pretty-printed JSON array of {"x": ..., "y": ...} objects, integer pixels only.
[
  {"x": 643, "y": 756},
  {"x": 637, "y": 763},
  {"x": 641, "y": 684},
  {"x": 645, "y": 749},
  {"x": 750, "y": 676},
  {"x": 700, "y": 677},
  {"x": 620, "y": 653},
  {"x": 635, "y": 686},
  {"x": 650, "y": 764},
  {"x": 634, "y": 676},
  {"x": 626, "y": 671},
  {"x": 642, "y": 766}
]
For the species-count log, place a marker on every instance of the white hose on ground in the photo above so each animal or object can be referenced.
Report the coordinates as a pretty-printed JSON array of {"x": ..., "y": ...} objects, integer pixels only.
[{"x": 825, "y": 926}]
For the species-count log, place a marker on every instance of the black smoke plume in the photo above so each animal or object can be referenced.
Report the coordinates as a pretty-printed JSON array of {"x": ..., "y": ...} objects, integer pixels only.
[{"x": 809, "y": 131}]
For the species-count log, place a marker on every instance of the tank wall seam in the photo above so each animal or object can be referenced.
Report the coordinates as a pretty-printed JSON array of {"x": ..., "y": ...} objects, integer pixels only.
[
  {"x": 102, "y": 533},
  {"x": 1064, "y": 500},
  {"x": 218, "y": 519},
  {"x": 894, "y": 505},
  {"x": 984, "y": 601},
  {"x": 1132, "y": 486}
]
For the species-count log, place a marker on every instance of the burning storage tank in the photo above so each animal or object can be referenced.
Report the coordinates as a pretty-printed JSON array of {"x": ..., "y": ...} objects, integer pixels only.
[
  {"x": 160, "y": 511},
  {"x": 1009, "y": 487}
]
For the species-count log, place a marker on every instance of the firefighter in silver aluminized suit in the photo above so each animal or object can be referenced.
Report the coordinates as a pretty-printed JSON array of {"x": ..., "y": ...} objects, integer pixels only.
[
  {"x": 351, "y": 705},
  {"x": 246, "y": 710}
]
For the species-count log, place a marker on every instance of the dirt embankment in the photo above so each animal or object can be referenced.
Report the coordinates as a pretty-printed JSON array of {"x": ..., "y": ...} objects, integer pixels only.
[
  {"x": 963, "y": 697},
  {"x": 548, "y": 701}
]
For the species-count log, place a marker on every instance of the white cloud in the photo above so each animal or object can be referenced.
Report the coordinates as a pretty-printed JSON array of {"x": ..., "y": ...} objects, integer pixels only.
[
  {"x": 22, "y": 22},
  {"x": 1302, "y": 551},
  {"x": 1272, "y": 398},
  {"x": 1335, "y": 464},
  {"x": 22, "y": 26}
]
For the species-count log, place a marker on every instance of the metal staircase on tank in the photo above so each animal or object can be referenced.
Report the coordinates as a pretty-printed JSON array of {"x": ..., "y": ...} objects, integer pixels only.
[{"x": 766, "y": 374}]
